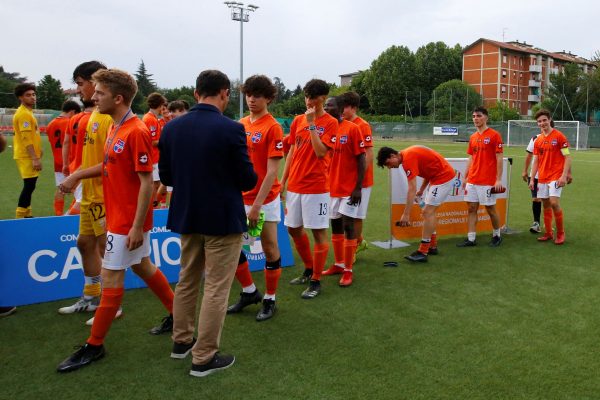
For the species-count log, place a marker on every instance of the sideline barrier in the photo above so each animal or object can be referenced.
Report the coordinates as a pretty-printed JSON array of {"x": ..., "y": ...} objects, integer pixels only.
[
  {"x": 452, "y": 214},
  {"x": 39, "y": 260}
]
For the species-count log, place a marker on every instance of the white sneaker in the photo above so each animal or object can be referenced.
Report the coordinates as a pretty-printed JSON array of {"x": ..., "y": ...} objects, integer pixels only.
[
  {"x": 535, "y": 227},
  {"x": 90, "y": 321},
  {"x": 81, "y": 305}
]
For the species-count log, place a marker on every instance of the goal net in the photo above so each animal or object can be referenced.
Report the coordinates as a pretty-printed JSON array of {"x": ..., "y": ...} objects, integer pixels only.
[{"x": 521, "y": 131}]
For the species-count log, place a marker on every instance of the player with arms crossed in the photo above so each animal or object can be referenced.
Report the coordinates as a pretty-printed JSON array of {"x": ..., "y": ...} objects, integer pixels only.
[
  {"x": 437, "y": 174},
  {"x": 306, "y": 174},
  {"x": 263, "y": 137},
  {"x": 483, "y": 177},
  {"x": 126, "y": 173},
  {"x": 552, "y": 163},
  {"x": 346, "y": 176}
]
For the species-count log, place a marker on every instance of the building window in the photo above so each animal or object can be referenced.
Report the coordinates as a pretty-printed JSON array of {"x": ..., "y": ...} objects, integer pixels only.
[
  {"x": 503, "y": 89},
  {"x": 520, "y": 75},
  {"x": 514, "y": 74},
  {"x": 521, "y": 61},
  {"x": 504, "y": 73},
  {"x": 504, "y": 59},
  {"x": 514, "y": 90}
]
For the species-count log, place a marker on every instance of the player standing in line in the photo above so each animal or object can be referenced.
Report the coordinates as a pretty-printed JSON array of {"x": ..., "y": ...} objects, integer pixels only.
[
  {"x": 27, "y": 144},
  {"x": 347, "y": 173},
  {"x": 157, "y": 103},
  {"x": 483, "y": 177},
  {"x": 306, "y": 174},
  {"x": 350, "y": 101},
  {"x": 437, "y": 174},
  {"x": 126, "y": 173},
  {"x": 536, "y": 202},
  {"x": 265, "y": 149},
  {"x": 552, "y": 163},
  {"x": 56, "y": 131},
  {"x": 177, "y": 108}
]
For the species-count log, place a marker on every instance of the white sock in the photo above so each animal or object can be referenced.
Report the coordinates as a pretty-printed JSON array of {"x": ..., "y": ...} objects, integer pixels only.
[
  {"x": 471, "y": 236},
  {"x": 269, "y": 297},
  {"x": 496, "y": 232},
  {"x": 249, "y": 289}
]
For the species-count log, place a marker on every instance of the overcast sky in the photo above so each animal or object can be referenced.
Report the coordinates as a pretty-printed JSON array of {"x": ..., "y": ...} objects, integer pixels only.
[{"x": 294, "y": 40}]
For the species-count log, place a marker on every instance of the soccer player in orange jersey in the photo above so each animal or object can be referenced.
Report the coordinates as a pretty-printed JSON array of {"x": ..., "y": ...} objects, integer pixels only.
[
  {"x": 347, "y": 172},
  {"x": 483, "y": 177},
  {"x": 552, "y": 163},
  {"x": 263, "y": 137},
  {"x": 350, "y": 101},
  {"x": 127, "y": 181},
  {"x": 439, "y": 178},
  {"x": 56, "y": 131},
  {"x": 306, "y": 174},
  {"x": 157, "y": 103}
]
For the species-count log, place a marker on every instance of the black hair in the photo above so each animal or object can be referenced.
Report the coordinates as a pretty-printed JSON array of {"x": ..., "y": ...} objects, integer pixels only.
[
  {"x": 259, "y": 85},
  {"x": 481, "y": 109},
  {"x": 87, "y": 69},
  {"x": 21, "y": 88},
  {"x": 383, "y": 155},
  {"x": 315, "y": 88},
  {"x": 351, "y": 99},
  {"x": 211, "y": 82},
  {"x": 71, "y": 105}
]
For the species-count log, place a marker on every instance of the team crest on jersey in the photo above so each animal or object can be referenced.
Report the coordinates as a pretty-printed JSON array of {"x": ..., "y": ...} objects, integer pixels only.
[
  {"x": 95, "y": 126},
  {"x": 343, "y": 139},
  {"x": 143, "y": 158},
  {"x": 279, "y": 145},
  {"x": 119, "y": 146},
  {"x": 320, "y": 130},
  {"x": 152, "y": 128},
  {"x": 26, "y": 124},
  {"x": 486, "y": 140},
  {"x": 256, "y": 137},
  {"x": 554, "y": 142}
]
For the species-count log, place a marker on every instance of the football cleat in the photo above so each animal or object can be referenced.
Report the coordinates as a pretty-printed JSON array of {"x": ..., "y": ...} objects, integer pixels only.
[
  {"x": 346, "y": 279},
  {"x": 495, "y": 242},
  {"x": 312, "y": 291},
  {"x": 81, "y": 305},
  {"x": 267, "y": 311},
  {"x": 560, "y": 238},
  {"x": 546, "y": 237},
  {"x": 85, "y": 355},
  {"x": 535, "y": 227},
  {"x": 245, "y": 300},
  {"x": 417, "y": 256},
  {"x": 333, "y": 270},
  {"x": 467, "y": 243}
]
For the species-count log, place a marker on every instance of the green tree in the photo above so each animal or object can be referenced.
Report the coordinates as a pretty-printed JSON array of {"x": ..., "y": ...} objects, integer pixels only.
[
  {"x": 435, "y": 63},
  {"x": 389, "y": 78},
  {"x": 588, "y": 97},
  {"x": 8, "y": 81},
  {"x": 501, "y": 112},
  {"x": 50, "y": 93},
  {"x": 293, "y": 106},
  {"x": 283, "y": 93},
  {"x": 358, "y": 85},
  {"x": 452, "y": 100},
  {"x": 561, "y": 97},
  {"x": 146, "y": 86}
]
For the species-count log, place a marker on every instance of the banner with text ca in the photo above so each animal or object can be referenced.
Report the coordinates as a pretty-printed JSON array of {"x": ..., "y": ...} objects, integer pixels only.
[
  {"x": 39, "y": 260},
  {"x": 451, "y": 215}
]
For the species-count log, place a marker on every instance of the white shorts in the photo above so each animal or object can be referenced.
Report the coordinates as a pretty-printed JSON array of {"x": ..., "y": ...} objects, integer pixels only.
[
  {"x": 481, "y": 194},
  {"x": 117, "y": 257},
  {"x": 437, "y": 194},
  {"x": 155, "y": 176},
  {"x": 59, "y": 178},
  {"x": 339, "y": 206},
  {"x": 78, "y": 193},
  {"x": 310, "y": 211},
  {"x": 547, "y": 190},
  {"x": 272, "y": 210}
]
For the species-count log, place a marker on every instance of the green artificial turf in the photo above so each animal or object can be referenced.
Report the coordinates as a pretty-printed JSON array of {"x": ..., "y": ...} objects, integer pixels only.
[{"x": 519, "y": 321}]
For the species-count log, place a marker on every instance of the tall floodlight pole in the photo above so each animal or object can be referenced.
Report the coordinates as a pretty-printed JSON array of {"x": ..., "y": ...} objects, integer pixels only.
[{"x": 241, "y": 13}]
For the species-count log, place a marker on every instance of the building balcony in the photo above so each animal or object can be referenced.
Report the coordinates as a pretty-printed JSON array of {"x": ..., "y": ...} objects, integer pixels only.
[
  {"x": 535, "y": 68},
  {"x": 533, "y": 98},
  {"x": 554, "y": 71},
  {"x": 534, "y": 83}
]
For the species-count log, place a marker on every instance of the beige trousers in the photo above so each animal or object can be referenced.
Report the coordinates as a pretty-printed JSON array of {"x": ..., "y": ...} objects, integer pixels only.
[{"x": 216, "y": 257}]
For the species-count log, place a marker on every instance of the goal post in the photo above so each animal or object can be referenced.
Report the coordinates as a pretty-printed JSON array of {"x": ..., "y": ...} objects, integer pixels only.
[{"x": 521, "y": 131}]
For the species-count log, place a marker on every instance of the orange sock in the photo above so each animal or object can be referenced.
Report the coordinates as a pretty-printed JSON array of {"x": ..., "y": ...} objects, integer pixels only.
[
  {"x": 243, "y": 275},
  {"x": 303, "y": 248},
  {"x": 424, "y": 247},
  {"x": 548, "y": 220},
  {"x": 59, "y": 206},
  {"x": 272, "y": 274},
  {"x": 74, "y": 208},
  {"x": 320, "y": 258},
  {"x": 433, "y": 240},
  {"x": 558, "y": 217},
  {"x": 110, "y": 301},
  {"x": 159, "y": 285},
  {"x": 349, "y": 250},
  {"x": 337, "y": 240}
]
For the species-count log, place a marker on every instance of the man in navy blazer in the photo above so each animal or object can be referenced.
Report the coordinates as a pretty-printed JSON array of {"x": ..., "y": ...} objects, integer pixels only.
[{"x": 203, "y": 155}]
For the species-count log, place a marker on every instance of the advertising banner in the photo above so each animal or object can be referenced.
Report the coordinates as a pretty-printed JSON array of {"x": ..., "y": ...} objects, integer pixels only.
[
  {"x": 39, "y": 260},
  {"x": 451, "y": 215},
  {"x": 445, "y": 131}
]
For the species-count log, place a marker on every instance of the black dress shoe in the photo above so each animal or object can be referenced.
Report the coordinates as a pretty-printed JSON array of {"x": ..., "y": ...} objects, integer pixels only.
[
  {"x": 82, "y": 357},
  {"x": 245, "y": 300}
]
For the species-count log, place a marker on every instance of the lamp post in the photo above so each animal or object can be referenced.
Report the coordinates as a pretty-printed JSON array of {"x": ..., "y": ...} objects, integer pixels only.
[{"x": 241, "y": 13}]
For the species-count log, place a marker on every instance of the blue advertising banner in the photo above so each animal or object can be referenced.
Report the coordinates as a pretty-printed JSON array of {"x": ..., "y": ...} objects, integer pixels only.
[{"x": 39, "y": 260}]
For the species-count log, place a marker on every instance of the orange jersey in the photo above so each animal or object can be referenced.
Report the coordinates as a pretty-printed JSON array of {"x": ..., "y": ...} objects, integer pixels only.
[
  {"x": 264, "y": 139},
  {"x": 483, "y": 148},
  {"x": 286, "y": 145},
  {"x": 127, "y": 151},
  {"x": 344, "y": 166},
  {"x": 367, "y": 135},
  {"x": 309, "y": 174},
  {"x": 56, "y": 130},
  {"x": 426, "y": 163},
  {"x": 155, "y": 128},
  {"x": 551, "y": 160},
  {"x": 77, "y": 126}
]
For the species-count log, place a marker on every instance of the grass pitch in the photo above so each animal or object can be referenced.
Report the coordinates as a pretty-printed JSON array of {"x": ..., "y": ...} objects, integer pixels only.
[{"x": 516, "y": 322}]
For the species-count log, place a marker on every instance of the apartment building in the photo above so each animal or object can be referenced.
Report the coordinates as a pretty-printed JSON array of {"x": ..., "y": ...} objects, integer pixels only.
[{"x": 515, "y": 72}]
